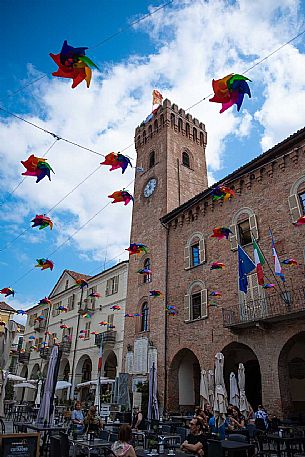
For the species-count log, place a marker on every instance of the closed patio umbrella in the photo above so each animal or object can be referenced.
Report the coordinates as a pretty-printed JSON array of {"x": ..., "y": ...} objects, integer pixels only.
[
  {"x": 6, "y": 339},
  {"x": 243, "y": 402},
  {"x": 211, "y": 387},
  {"x": 153, "y": 409},
  {"x": 38, "y": 393},
  {"x": 14, "y": 378},
  {"x": 60, "y": 385},
  {"x": 24, "y": 385},
  {"x": 45, "y": 412},
  {"x": 204, "y": 389},
  {"x": 220, "y": 399},
  {"x": 234, "y": 394}
]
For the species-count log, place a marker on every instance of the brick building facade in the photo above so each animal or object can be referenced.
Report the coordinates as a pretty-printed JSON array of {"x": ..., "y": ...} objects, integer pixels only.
[{"x": 263, "y": 329}]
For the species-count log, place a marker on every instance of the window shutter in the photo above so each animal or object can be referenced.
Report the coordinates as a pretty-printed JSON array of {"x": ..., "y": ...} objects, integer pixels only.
[
  {"x": 253, "y": 226},
  {"x": 295, "y": 207},
  {"x": 107, "y": 287},
  {"x": 204, "y": 303},
  {"x": 116, "y": 284},
  {"x": 187, "y": 307},
  {"x": 202, "y": 250},
  {"x": 187, "y": 257},
  {"x": 233, "y": 237}
]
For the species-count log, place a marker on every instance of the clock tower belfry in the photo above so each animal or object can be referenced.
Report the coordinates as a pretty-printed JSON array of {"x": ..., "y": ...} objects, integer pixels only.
[{"x": 171, "y": 152}]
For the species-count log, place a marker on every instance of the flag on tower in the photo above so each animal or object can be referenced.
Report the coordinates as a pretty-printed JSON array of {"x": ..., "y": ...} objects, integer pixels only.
[
  {"x": 245, "y": 266},
  {"x": 277, "y": 264},
  {"x": 259, "y": 261},
  {"x": 157, "y": 97}
]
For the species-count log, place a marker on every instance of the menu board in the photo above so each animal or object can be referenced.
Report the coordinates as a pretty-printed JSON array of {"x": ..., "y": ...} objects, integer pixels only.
[{"x": 20, "y": 445}]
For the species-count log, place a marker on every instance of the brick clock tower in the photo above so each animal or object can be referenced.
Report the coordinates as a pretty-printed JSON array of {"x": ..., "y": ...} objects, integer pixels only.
[{"x": 171, "y": 151}]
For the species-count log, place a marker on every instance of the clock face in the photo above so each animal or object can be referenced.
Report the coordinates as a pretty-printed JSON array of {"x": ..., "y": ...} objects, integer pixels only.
[{"x": 150, "y": 187}]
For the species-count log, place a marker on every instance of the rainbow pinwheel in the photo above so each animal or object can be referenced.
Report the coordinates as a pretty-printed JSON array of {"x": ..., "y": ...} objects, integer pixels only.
[
  {"x": 300, "y": 221},
  {"x": 115, "y": 307},
  {"x": 221, "y": 232},
  {"x": 137, "y": 248},
  {"x": 171, "y": 310},
  {"x": 63, "y": 326},
  {"x": 44, "y": 264},
  {"x": 6, "y": 291},
  {"x": 21, "y": 312},
  {"x": 128, "y": 315},
  {"x": 144, "y": 271},
  {"x": 37, "y": 166},
  {"x": 103, "y": 323},
  {"x": 138, "y": 315},
  {"x": 290, "y": 262},
  {"x": 222, "y": 193},
  {"x": 45, "y": 301},
  {"x": 94, "y": 295},
  {"x": 32, "y": 337},
  {"x": 73, "y": 63},
  {"x": 215, "y": 293},
  {"x": 42, "y": 221},
  {"x": 111, "y": 326},
  {"x": 155, "y": 293},
  {"x": 217, "y": 266},
  {"x": 95, "y": 333},
  {"x": 116, "y": 160},
  {"x": 121, "y": 196},
  {"x": 87, "y": 315},
  {"x": 62, "y": 308},
  {"x": 230, "y": 90},
  {"x": 269, "y": 286},
  {"x": 81, "y": 282}
]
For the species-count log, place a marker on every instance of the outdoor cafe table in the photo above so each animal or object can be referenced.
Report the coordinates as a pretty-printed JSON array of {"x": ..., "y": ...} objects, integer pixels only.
[
  {"x": 177, "y": 453},
  {"x": 41, "y": 429},
  {"x": 287, "y": 444},
  {"x": 229, "y": 447},
  {"x": 97, "y": 443}
]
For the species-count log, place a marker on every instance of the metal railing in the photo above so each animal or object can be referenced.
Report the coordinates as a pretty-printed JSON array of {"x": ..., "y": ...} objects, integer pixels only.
[
  {"x": 40, "y": 326},
  {"x": 286, "y": 305},
  {"x": 106, "y": 338},
  {"x": 45, "y": 353},
  {"x": 24, "y": 357},
  {"x": 66, "y": 347}
]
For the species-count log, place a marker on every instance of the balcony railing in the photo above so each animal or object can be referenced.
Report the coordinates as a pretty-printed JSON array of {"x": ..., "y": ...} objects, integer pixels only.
[
  {"x": 45, "y": 353},
  {"x": 40, "y": 326},
  {"x": 107, "y": 339},
  {"x": 275, "y": 307},
  {"x": 66, "y": 347},
  {"x": 24, "y": 357}
]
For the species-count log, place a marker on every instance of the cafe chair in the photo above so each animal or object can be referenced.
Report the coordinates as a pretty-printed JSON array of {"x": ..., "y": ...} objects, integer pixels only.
[
  {"x": 2, "y": 427},
  {"x": 171, "y": 442},
  {"x": 104, "y": 435},
  {"x": 183, "y": 432},
  {"x": 214, "y": 448},
  {"x": 166, "y": 428},
  {"x": 64, "y": 445},
  {"x": 139, "y": 440},
  {"x": 113, "y": 437},
  {"x": 238, "y": 437}
]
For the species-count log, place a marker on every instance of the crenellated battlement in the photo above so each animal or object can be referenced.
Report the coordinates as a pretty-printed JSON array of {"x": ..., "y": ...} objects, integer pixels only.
[{"x": 169, "y": 115}]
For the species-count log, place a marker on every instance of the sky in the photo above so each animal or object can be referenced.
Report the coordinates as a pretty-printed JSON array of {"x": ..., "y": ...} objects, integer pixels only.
[{"x": 178, "y": 50}]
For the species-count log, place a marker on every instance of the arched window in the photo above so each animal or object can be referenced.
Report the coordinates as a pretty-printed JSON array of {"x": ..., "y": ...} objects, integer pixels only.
[
  {"x": 144, "y": 136},
  {"x": 162, "y": 120},
  {"x": 173, "y": 120},
  {"x": 196, "y": 302},
  {"x": 144, "y": 317},
  {"x": 156, "y": 126},
  {"x": 187, "y": 130},
  {"x": 194, "y": 134},
  {"x": 150, "y": 131},
  {"x": 201, "y": 139},
  {"x": 147, "y": 277},
  {"x": 296, "y": 199},
  {"x": 152, "y": 159},
  {"x": 180, "y": 125},
  {"x": 186, "y": 159},
  {"x": 243, "y": 228},
  {"x": 194, "y": 251}
]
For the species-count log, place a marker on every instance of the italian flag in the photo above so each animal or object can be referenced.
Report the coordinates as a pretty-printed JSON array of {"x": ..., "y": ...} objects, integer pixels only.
[{"x": 259, "y": 262}]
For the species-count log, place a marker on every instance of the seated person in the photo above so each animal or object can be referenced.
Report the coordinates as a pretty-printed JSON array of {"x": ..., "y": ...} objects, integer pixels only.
[
  {"x": 208, "y": 411},
  {"x": 122, "y": 447},
  {"x": 93, "y": 421},
  {"x": 201, "y": 414},
  {"x": 236, "y": 421},
  {"x": 137, "y": 419},
  {"x": 77, "y": 418},
  {"x": 195, "y": 442},
  {"x": 219, "y": 430}
]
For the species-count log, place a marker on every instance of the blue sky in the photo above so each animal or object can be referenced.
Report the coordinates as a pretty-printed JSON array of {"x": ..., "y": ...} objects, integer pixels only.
[{"x": 178, "y": 51}]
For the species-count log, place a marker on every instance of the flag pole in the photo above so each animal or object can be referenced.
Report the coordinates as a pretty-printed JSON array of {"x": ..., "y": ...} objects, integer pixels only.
[{"x": 285, "y": 289}]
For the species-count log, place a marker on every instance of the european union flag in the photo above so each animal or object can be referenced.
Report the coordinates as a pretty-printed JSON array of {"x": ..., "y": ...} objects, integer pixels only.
[{"x": 245, "y": 266}]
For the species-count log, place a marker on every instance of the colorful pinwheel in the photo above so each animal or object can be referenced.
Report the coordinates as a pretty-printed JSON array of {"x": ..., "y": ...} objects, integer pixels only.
[
  {"x": 95, "y": 333},
  {"x": 94, "y": 295},
  {"x": 6, "y": 291},
  {"x": 42, "y": 221},
  {"x": 222, "y": 193},
  {"x": 121, "y": 196},
  {"x": 269, "y": 286},
  {"x": 116, "y": 160},
  {"x": 44, "y": 264},
  {"x": 32, "y": 337},
  {"x": 217, "y": 266},
  {"x": 221, "y": 232},
  {"x": 138, "y": 315},
  {"x": 82, "y": 282},
  {"x": 45, "y": 301},
  {"x": 137, "y": 248},
  {"x": 215, "y": 293},
  {"x": 128, "y": 315},
  {"x": 63, "y": 326},
  {"x": 73, "y": 63},
  {"x": 144, "y": 271},
  {"x": 37, "y": 166},
  {"x": 290, "y": 262},
  {"x": 115, "y": 307},
  {"x": 103, "y": 323},
  {"x": 230, "y": 90},
  {"x": 62, "y": 308},
  {"x": 21, "y": 312},
  {"x": 155, "y": 293}
]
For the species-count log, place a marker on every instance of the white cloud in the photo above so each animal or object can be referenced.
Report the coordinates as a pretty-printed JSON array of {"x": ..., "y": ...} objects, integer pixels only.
[{"x": 196, "y": 41}]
